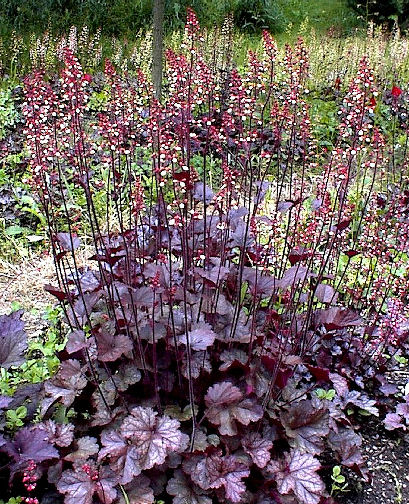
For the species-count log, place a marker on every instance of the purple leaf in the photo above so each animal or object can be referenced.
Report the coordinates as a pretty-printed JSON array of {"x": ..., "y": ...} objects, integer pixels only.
[
  {"x": 83, "y": 306},
  {"x": 346, "y": 443},
  {"x": 65, "y": 385},
  {"x": 361, "y": 401},
  {"x": 403, "y": 410},
  {"x": 226, "y": 406},
  {"x": 154, "y": 437},
  {"x": 241, "y": 237},
  {"x": 123, "y": 457},
  {"x": 201, "y": 336},
  {"x": 342, "y": 225},
  {"x": 214, "y": 275},
  {"x": 337, "y": 318},
  {"x": 258, "y": 448},
  {"x": 230, "y": 357},
  {"x": 203, "y": 192},
  {"x": 112, "y": 346},
  {"x": 81, "y": 484},
  {"x": 260, "y": 283},
  {"x": 77, "y": 486},
  {"x": 340, "y": 384},
  {"x": 68, "y": 242},
  {"x": 216, "y": 471},
  {"x": 294, "y": 275},
  {"x": 184, "y": 491},
  {"x": 325, "y": 293},
  {"x": 128, "y": 374},
  {"x": 30, "y": 444},
  {"x": 13, "y": 340},
  {"x": 138, "y": 492},
  {"x": 142, "y": 296},
  {"x": 54, "y": 291},
  {"x": 76, "y": 341},
  {"x": 86, "y": 447},
  {"x": 298, "y": 473},
  {"x": 393, "y": 421},
  {"x": 57, "y": 433},
  {"x": 199, "y": 363},
  {"x": 5, "y": 401},
  {"x": 284, "y": 206},
  {"x": 298, "y": 254},
  {"x": 306, "y": 424},
  {"x": 388, "y": 389}
]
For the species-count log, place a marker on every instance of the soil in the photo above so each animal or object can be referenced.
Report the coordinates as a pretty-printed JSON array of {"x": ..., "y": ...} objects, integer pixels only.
[{"x": 387, "y": 457}]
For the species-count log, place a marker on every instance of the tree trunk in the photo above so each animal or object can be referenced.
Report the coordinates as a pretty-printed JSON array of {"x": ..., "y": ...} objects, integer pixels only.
[{"x": 157, "y": 49}]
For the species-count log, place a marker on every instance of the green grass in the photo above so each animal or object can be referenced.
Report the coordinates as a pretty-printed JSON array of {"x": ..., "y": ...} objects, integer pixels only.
[{"x": 322, "y": 15}]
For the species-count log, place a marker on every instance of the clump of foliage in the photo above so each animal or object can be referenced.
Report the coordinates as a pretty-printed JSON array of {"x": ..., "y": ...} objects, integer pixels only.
[
  {"x": 8, "y": 112},
  {"x": 124, "y": 18},
  {"x": 382, "y": 11},
  {"x": 224, "y": 344}
]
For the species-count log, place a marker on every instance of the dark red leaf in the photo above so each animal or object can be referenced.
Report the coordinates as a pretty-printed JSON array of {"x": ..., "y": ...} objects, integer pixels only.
[{"x": 319, "y": 373}]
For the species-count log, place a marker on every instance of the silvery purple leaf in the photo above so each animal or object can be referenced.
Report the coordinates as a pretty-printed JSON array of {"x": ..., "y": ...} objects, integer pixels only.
[
  {"x": 403, "y": 410},
  {"x": 295, "y": 274},
  {"x": 297, "y": 473},
  {"x": 65, "y": 385},
  {"x": 57, "y": 433},
  {"x": 185, "y": 491},
  {"x": 199, "y": 363},
  {"x": 128, "y": 374},
  {"x": 361, "y": 401},
  {"x": 258, "y": 448},
  {"x": 340, "y": 384},
  {"x": 337, "y": 318},
  {"x": 326, "y": 294},
  {"x": 112, "y": 346},
  {"x": 214, "y": 275},
  {"x": 154, "y": 437},
  {"x": 81, "y": 484},
  {"x": 217, "y": 471},
  {"x": 202, "y": 192},
  {"x": 76, "y": 341},
  {"x": 200, "y": 336},
  {"x": 388, "y": 389},
  {"x": 226, "y": 406},
  {"x": 138, "y": 492},
  {"x": 123, "y": 457},
  {"x": 241, "y": 237},
  {"x": 393, "y": 421},
  {"x": 86, "y": 447},
  {"x": 346, "y": 443},
  {"x": 229, "y": 357}
]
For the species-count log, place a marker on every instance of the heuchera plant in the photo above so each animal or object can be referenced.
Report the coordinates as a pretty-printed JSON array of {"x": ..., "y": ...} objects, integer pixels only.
[{"x": 216, "y": 306}]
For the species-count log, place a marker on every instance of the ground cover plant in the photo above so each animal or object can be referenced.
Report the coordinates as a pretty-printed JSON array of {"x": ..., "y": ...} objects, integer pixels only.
[{"x": 249, "y": 289}]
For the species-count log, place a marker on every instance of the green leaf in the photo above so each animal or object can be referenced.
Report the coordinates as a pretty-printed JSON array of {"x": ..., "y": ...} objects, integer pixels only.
[
  {"x": 336, "y": 470},
  {"x": 15, "y": 230}
]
